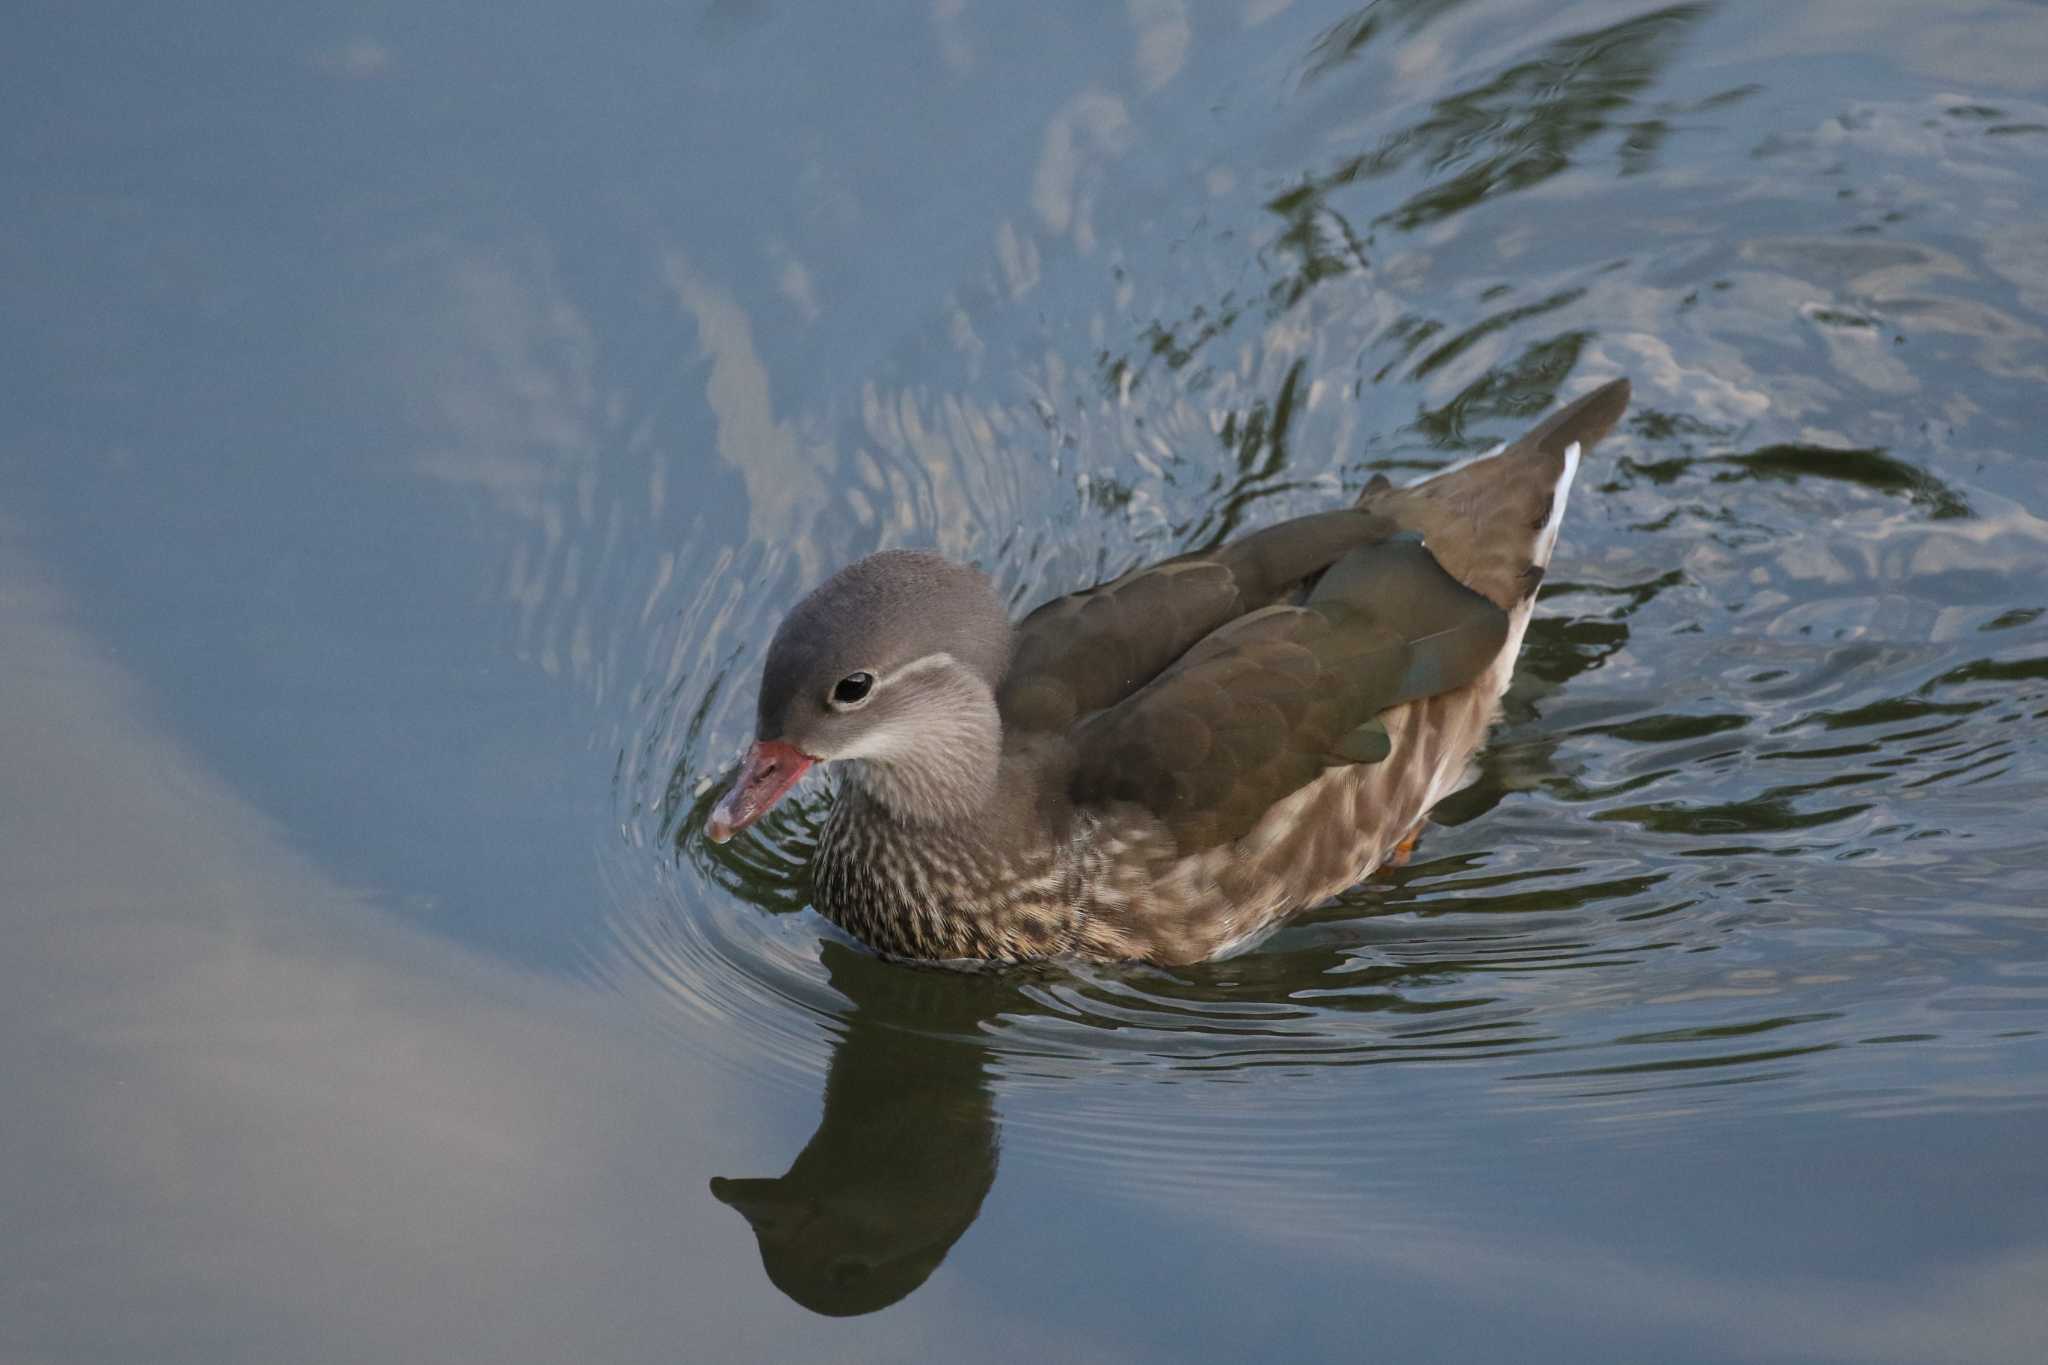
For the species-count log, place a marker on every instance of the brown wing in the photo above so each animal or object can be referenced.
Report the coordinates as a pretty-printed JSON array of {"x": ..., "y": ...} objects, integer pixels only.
[
  {"x": 1262, "y": 706},
  {"x": 1092, "y": 649}
]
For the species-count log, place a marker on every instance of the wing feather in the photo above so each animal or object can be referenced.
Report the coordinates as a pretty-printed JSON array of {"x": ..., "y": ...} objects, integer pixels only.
[
  {"x": 1092, "y": 649},
  {"x": 1262, "y": 705}
]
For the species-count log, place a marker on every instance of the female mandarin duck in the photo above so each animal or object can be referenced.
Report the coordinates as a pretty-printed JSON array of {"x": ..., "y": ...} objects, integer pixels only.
[{"x": 1162, "y": 766}]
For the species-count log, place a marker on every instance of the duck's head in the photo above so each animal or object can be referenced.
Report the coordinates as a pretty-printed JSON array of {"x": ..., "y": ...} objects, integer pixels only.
[{"x": 893, "y": 661}]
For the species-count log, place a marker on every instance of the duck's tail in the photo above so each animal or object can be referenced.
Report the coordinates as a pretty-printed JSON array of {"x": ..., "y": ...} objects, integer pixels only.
[{"x": 1492, "y": 521}]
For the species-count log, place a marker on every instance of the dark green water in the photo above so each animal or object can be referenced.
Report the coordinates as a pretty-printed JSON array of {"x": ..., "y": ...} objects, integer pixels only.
[{"x": 417, "y": 417}]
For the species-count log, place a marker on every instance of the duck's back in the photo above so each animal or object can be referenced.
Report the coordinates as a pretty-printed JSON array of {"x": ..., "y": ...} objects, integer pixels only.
[
  {"x": 1203, "y": 745},
  {"x": 1281, "y": 756}
]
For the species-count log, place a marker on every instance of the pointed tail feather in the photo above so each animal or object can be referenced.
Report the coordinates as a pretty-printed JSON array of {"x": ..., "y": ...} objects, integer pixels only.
[{"x": 1493, "y": 521}]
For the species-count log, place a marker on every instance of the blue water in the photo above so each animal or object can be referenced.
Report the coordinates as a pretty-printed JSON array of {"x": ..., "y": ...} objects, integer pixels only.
[{"x": 418, "y": 417}]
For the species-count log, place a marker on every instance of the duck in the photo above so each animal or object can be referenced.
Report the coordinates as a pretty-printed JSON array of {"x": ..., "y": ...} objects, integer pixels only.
[{"x": 1162, "y": 767}]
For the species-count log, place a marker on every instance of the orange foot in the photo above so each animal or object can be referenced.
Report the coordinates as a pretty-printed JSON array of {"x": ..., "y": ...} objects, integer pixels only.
[{"x": 1398, "y": 855}]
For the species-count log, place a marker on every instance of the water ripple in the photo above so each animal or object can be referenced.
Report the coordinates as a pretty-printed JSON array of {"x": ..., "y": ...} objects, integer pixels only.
[{"x": 1785, "y": 691}]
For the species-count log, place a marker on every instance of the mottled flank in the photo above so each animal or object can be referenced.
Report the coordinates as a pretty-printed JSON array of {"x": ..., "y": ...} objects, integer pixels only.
[{"x": 1162, "y": 766}]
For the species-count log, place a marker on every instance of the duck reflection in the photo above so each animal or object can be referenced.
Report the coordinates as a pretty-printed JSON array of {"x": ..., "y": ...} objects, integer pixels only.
[
  {"x": 905, "y": 1152},
  {"x": 906, "y": 1149}
]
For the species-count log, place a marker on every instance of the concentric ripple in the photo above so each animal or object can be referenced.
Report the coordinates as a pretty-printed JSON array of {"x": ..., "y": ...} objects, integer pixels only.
[
  {"x": 1745, "y": 828},
  {"x": 1706, "y": 849}
]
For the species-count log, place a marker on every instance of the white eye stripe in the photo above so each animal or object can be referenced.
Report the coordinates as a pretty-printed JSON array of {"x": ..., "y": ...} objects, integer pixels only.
[
  {"x": 938, "y": 662},
  {"x": 927, "y": 664}
]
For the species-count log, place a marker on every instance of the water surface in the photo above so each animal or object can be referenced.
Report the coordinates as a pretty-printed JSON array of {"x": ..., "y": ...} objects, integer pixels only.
[{"x": 420, "y": 422}]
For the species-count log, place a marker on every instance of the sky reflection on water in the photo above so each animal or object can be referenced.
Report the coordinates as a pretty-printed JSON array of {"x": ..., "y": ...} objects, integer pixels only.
[{"x": 424, "y": 421}]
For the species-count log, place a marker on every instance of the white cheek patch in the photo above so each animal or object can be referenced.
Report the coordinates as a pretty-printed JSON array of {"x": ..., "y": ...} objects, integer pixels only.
[{"x": 937, "y": 720}]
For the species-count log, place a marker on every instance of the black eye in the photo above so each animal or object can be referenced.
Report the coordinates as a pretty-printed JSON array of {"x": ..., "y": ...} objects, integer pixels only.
[{"x": 853, "y": 688}]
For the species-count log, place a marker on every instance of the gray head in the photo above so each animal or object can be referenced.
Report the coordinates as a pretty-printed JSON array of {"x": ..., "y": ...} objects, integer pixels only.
[{"x": 893, "y": 661}]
